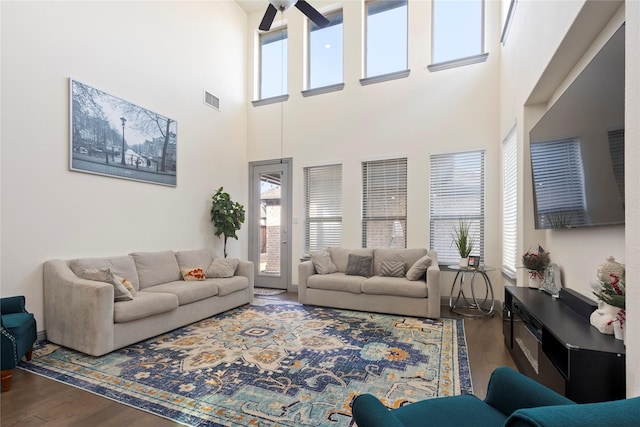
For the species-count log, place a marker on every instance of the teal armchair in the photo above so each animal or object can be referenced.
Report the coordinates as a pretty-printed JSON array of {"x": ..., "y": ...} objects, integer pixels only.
[
  {"x": 513, "y": 400},
  {"x": 18, "y": 333}
]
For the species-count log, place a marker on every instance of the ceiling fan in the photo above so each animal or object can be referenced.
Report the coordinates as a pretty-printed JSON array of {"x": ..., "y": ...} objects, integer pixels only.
[{"x": 282, "y": 5}]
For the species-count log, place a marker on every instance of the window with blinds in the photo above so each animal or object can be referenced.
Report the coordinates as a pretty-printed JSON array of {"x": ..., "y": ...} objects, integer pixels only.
[
  {"x": 456, "y": 193},
  {"x": 510, "y": 203},
  {"x": 384, "y": 203},
  {"x": 558, "y": 175},
  {"x": 323, "y": 207},
  {"x": 616, "y": 149}
]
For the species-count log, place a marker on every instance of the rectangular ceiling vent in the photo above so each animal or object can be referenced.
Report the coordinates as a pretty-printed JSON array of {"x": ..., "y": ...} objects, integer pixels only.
[{"x": 211, "y": 100}]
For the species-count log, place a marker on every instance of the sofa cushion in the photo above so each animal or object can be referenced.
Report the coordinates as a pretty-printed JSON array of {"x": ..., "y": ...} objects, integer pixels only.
[
  {"x": 322, "y": 262},
  {"x": 120, "y": 292},
  {"x": 340, "y": 256},
  {"x": 408, "y": 256},
  {"x": 392, "y": 269},
  {"x": 145, "y": 304},
  {"x": 155, "y": 268},
  {"x": 201, "y": 258},
  {"x": 187, "y": 292},
  {"x": 397, "y": 286},
  {"x": 192, "y": 274},
  {"x": 222, "y": 267},
  {"x": 122, "y": 266},
  {"x": 417, "y": 270},
  {"x": 229, "y": 285},
  {"x": 336, "y": 282},
  {"x": 359, "y": 265}
]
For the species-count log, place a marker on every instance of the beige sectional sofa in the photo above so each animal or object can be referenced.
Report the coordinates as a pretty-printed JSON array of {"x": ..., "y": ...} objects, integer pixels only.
[
  {"x": 83, "y": 314},
  {"x": 376, "y": 293}
]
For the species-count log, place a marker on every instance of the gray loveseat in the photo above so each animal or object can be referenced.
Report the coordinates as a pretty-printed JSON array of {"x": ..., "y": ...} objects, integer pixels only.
[
  {"x": 84, "y": 315},
  {"x": 376, "y": 293}
]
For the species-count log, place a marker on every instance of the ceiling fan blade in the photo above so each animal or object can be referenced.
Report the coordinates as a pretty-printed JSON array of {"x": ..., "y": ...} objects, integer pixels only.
[
  {"x": 312, "y": 13},
  {"x": 268, "y": 17}
]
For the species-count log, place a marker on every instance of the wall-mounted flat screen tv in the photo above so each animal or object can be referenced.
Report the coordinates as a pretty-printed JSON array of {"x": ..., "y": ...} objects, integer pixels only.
[{"x": 577, "y": 147}]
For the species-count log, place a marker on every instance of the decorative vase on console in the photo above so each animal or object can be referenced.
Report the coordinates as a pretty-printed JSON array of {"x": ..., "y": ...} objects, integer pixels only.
[
  {"x": 610, "y": 291},
  {"x": 536, "y": 263}
]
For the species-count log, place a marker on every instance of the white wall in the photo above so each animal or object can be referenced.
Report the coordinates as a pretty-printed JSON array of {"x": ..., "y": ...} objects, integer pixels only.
[
  {"x": 159, "y": 55},
  {"x": 426, "y": 113}
]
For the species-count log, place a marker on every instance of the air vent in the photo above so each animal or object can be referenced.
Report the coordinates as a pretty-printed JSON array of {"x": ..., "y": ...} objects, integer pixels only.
[{"x": 211, "y": 100}]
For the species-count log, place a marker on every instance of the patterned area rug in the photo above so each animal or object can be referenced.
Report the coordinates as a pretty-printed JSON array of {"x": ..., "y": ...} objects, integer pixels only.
[
  {"x": 273, "y": 364},
  {"x": 267, "y": 291}
]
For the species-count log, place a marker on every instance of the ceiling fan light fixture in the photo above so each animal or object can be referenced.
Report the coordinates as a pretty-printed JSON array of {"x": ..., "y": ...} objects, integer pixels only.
[{"x": 282, "y": 5}]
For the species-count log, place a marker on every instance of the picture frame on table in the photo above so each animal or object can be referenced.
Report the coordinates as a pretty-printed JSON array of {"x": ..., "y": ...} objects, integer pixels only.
[{"x": 474, "y": 261}]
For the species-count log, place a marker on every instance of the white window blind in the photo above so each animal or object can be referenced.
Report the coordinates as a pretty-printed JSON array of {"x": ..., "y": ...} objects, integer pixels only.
[
  {"x": 510, "y": 203},
  {"x": 456, "y": 193},
  {"x": 616, "y": 149},
  {"x": 559, "y": 183},
  {"x": 384, "y": 203},
  {"x": 323, "y": 207}
]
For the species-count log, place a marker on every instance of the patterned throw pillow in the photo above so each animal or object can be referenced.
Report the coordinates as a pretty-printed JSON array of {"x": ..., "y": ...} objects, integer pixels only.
[
  {"x": 418, "y": 268},
  {"x": 127, "y": 284},
  {"x": 392, "y": 269},
  {"x": 192, "y": 274},
  {"x": 222, "y": 267},
  {"x": 120, "y": 292},
  {"x": 359, "y": 265}
]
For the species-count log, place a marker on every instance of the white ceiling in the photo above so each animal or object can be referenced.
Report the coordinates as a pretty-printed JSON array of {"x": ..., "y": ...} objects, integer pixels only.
[{"x": 251, "y": 6}]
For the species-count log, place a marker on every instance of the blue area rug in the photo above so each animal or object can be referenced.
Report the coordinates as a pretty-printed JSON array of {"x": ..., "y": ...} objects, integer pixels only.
[{"x": 273, "y": 363}]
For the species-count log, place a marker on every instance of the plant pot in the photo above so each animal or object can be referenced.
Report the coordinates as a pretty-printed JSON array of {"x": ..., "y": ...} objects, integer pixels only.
[
  {"x": 619, "y": 331},
  {"x": 535, "y": 282},
  {"x": 464, "y": 262}
]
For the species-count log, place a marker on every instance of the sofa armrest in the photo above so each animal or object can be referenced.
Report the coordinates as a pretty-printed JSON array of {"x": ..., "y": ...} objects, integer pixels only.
[
  {"x": 11, "y": 305},
  {"x": 617, "y": 413},
  {"x": 245, "y": 268},
  {"x": 305, "y": 270},
  {"x": 369, "y": 411},
  {"x": 509, "y": 390},
  {"x": 78, "y": 312},
  {"x": 433, "y": 290}
]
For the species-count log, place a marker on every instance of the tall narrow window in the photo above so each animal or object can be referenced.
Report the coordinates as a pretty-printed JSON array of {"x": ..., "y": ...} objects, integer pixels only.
[
  {"x": 384, "y": 203},
  {"x": 273, "y": 63},
  {"x": 323, "y": 207},
  {"x": 458, "y": 28},
  {"x": 510, "y": 203},
  {"x": 457, "y": 193},
  {"x": 325, "y": 52},
  {"x": 558, "y": 175},
  {"x": 386, "y": 50}
]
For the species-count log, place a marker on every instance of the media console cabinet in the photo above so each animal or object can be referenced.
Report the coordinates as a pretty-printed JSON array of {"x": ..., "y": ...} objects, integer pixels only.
[{"x": 552, "y": 341}]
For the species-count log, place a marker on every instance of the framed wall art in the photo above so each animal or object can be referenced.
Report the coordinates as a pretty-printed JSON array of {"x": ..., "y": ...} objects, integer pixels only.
[{"x": 113, "y": 137}]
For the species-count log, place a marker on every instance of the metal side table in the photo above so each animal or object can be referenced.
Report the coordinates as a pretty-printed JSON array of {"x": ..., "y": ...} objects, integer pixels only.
[{"x": 457, "y": 297}]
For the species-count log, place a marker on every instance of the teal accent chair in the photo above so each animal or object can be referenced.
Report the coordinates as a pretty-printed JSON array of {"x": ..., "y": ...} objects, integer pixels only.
[
  {"x": 513, "y": 400},
  {"x": 18, "y": 333}
]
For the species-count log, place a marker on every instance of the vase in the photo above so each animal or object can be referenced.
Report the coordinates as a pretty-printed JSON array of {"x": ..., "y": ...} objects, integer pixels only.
[
  {"x": 619, "y": 331},
  {"x": 464, "y": 262},
  {"x": 535, "y": 282}
]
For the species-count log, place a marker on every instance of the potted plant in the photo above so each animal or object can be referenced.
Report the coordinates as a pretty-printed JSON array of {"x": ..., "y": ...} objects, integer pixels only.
[
  {"x": 613, "y": 292},
  {"x": 536, "y": 263},
  {"x": 226, "y": 215},
  {"x": 463, "y": 240}
]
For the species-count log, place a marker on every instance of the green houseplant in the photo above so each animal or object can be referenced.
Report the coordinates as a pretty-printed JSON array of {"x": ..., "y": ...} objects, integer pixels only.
[
  {"x": 227, "y": 216},
  {"x": 463, "y": 239}
]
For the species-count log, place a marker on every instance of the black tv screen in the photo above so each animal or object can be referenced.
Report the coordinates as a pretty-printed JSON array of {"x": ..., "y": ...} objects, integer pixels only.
[{"x": 577, "y": 147}]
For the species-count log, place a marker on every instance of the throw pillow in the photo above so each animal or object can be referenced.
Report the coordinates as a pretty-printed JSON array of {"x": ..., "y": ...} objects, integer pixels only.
[
  {"x": 359, "y": 265},
  {"x": 222, "y": 267},
  {"x": 120, "y": 292},
  {"x": 127, "y": 284},
  {"x": 418, "y": 268},
  {"x": 192, "y": 274},
  {"x": 392, "y": 269},
  {"x": 322, "y": 262}
]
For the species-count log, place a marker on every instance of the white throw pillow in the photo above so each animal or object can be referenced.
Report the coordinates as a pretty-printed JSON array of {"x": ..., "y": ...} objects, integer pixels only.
[
  {"x": 120, "y": 292},
  {"x": 222, "y": 267},
  {"x": 418, "y": 268},
  {"x": 322, "y": 262}
]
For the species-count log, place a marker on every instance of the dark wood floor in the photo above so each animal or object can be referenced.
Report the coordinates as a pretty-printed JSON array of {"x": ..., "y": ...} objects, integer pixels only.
[{"x": 35, "y": 401}]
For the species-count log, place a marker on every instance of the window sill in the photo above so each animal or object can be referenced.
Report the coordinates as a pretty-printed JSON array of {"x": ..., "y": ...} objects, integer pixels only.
[
  {"x": 461, "y": 62},
  {"x": 323, "y": 89},
  {"x": 385, "y": 77},
  {"x": 272, "y": 100}
]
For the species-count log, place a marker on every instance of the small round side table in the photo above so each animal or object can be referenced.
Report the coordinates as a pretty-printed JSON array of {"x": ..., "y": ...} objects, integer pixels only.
[{"x": 474, "y": 302}]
